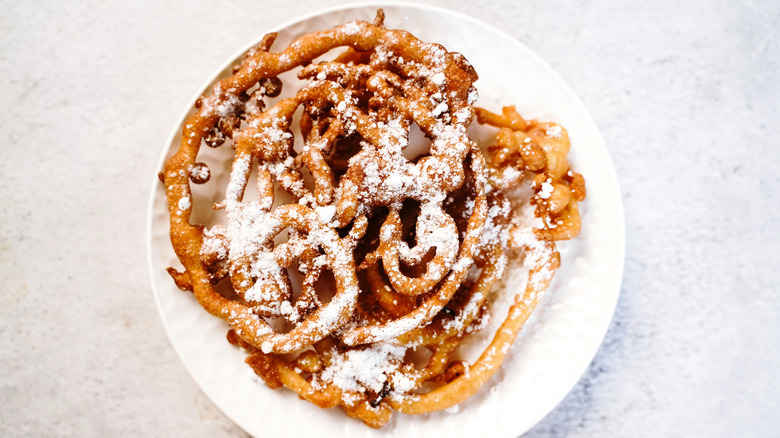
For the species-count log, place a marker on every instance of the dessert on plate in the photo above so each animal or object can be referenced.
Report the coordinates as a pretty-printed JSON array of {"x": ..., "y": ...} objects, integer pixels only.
[{"x": 361, "y": 235}]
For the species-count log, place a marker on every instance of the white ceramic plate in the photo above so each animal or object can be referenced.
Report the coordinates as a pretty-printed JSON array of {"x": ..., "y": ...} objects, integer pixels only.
[{"x": 553, "y": 350}]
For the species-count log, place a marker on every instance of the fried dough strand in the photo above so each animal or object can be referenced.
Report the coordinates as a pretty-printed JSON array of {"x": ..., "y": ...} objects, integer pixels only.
[{"x": 352, "y": 273}]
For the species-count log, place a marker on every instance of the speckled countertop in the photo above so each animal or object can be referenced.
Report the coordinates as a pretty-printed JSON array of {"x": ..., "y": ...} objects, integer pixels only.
[{"x": 687, "y": 97}]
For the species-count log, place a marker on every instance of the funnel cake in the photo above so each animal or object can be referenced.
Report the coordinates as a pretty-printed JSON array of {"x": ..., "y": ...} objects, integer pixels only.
[{"x": 349, "y": 255}]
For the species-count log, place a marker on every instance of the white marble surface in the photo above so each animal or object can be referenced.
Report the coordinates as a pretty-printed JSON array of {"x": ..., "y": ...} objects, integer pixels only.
[{"x": 686, "y": 95}]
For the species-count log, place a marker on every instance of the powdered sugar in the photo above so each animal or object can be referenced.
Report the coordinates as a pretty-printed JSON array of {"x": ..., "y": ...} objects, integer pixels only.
[
  {"x": 364, "y": 368},
  {"x": 440, "y": 109},
  {"x": 386, "y": 179},
  {"x": 546, "y": 190},
  {"x": 351, "y": 28},
  {"x": 184, "y": 203},
  {"x": 438, "y": 79},
  {"x": 326, "y": 213},
  {"x": 554, "y": 131}
]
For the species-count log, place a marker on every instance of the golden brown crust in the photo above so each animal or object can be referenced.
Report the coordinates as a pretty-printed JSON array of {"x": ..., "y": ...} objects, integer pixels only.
[{"x": 412, "y": 247}]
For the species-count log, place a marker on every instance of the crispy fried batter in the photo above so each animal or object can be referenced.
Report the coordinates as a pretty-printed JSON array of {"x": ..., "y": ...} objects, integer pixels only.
[{"x": 358, "y": 291}]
